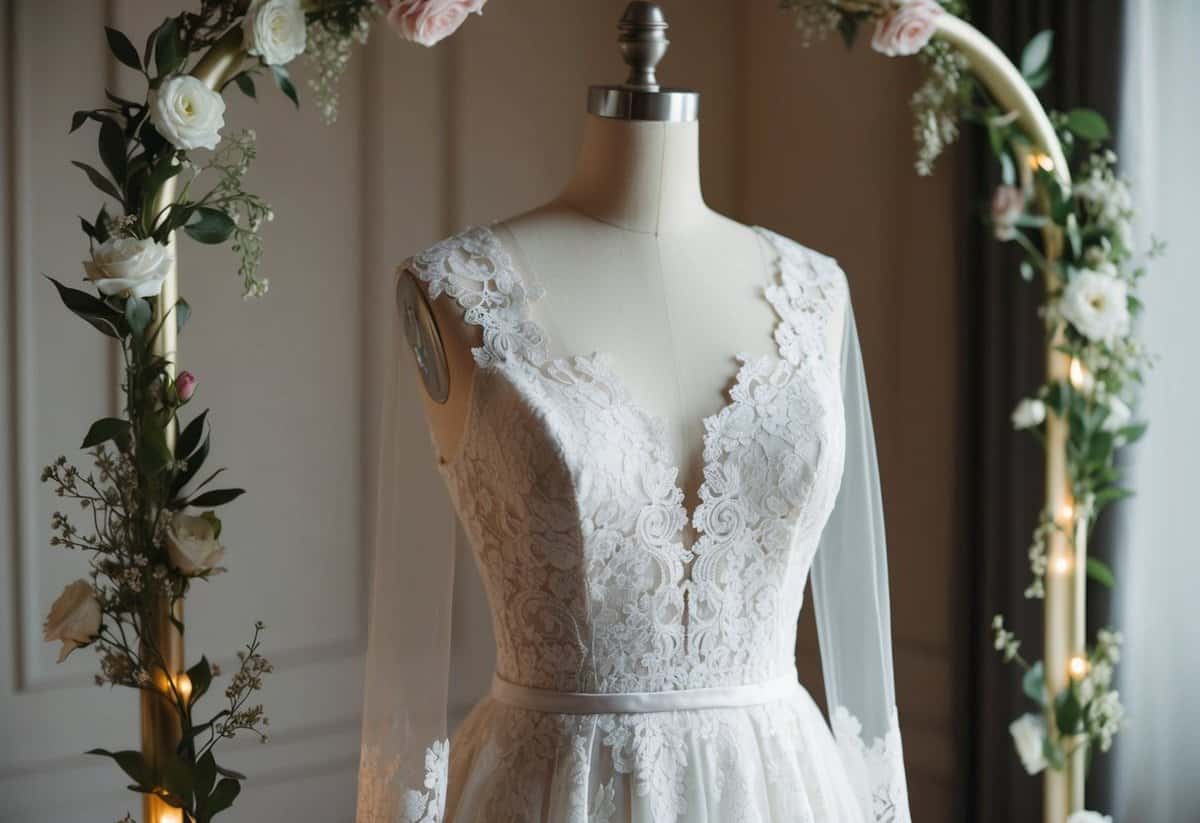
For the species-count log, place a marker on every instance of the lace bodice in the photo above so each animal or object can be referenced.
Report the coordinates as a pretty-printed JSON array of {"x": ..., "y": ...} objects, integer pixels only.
[
  {"x": 566, "y": 489},
  {"x": 605, "y": 586}
]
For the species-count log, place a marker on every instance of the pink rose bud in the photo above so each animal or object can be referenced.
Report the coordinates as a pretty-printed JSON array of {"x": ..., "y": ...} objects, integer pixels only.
[
  {"x": 1008, "y": 204},
  {"x": 185, "y": 386},
  {"x": 907, "y": 28}
]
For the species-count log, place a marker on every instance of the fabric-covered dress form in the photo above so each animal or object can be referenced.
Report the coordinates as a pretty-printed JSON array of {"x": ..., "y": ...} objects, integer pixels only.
[{"x": 645, "y": 670}]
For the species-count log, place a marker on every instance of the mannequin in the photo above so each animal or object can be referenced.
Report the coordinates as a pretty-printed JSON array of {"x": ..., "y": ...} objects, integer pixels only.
[{"x": 636, "y": 265}]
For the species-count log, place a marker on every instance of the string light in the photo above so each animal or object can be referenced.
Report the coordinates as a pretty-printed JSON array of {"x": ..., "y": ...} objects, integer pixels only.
[
  {"x": 1080, "y": 379},
  {"x": 1078, "y": 667},
  {"x": 1066, "y": 514},
  {"x": 183, "y": 685},
  {"x": 1062, "y": 563},
  {"x": 1041, "y": 161}
]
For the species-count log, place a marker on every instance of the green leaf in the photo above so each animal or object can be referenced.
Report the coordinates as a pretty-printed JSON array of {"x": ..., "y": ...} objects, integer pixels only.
[
  {"x": 848, "y": 28},
  {"x": 206, "y": 773},
  {"x": 112, "y": 150},
  {"x": 221, "y": 770},
  {"x": 1112, "y": 494},
  {"x": 178, "y": 779},
  {"x": 1033, "y": 683},
  {"x": 99, "y": 180},
  {"x": 168, "y": 51},
  {"x": 1099, "y": 571},
  {"x": 105, "y": 429},
  {"x": 153, "y": 453},
  {"x": 1036, "y": 55},
  {"x": 1008, "y": 170},
  {"x": 246, "y": 83},
  {"x": 122, "y": 49},
  {"x": 284, "y": 81},
  {"x": 194, "y": 462},
  {"x": 78, "y": 119},
  {"x": 138, "y": 315},
  {"x": 189, "y": 439},
  {"x": 1068, "y": 713},
  {"x": 216, "y": 497},
  {"x": 201, "y": 677},
  {"x": 183, "y": 310},
  {"x": 1040, "y": 79},
  {"x": 1088, "y": 124},
  {"x": 102, "y": 224},
  {"x": 1053, "y": 754},
  {"x": 95, "y": 311},
  {"x": 1132, "y": 434},
  {"x": 131, "y": 762},
  {"x": 212, "y": 226},
  {"x": 223, "y": 796}
]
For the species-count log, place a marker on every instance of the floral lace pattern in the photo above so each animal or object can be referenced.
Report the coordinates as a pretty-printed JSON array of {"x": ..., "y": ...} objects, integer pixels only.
[{"x": 567, "y": 491}]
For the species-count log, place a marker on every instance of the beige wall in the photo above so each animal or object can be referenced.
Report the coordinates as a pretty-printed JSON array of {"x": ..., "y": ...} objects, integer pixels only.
[{"x": 814, "y": 144}]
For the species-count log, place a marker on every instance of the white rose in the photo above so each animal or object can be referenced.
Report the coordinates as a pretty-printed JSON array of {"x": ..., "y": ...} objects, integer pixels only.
[
  {"x": 1028, "y": 732},
  {"x": 74, "y": 618},
  {"x": 187, "y": 113},
  {"x": 907, "y": 28},
  {"x": 1119, "y": 415},
  {"x": 1029, "y": 412},
  {"x": 1096, "y": 303},
  {"x": 1088, "y": 817},
  {"x": 275, "y": 31},
  {"x": 192, "y": 545},
  {"x": 127, "y": 264}
]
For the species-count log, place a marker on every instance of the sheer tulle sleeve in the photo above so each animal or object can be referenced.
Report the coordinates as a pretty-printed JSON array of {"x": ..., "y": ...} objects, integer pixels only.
[
  {"x": 850, "y": 597},
  {"x": 405, "y": 745}
]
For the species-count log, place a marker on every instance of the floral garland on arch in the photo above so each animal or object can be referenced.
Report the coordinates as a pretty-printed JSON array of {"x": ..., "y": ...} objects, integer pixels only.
[
  {"x": 153, "y": 529},
  {"x": 1090, "y": 300}
]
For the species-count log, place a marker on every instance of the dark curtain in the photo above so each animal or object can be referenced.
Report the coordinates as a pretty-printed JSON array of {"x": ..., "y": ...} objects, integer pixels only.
[{"x": 1003, "y": 361}]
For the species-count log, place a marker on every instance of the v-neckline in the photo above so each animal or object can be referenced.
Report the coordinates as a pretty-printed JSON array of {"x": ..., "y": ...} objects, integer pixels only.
[{"x": 602, "y": 361}]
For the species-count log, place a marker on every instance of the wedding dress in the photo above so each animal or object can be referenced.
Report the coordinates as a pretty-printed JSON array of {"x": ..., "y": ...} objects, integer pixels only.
[{"x": 642, "y": 675}]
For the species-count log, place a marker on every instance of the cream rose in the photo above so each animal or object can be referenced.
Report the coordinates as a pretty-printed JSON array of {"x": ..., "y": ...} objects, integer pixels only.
[
  {"x": 428, "y": 21},
  {"x": 1119, "y": 415},
  {"x": 192, "y": 545},
  {"x": 907, "y": 28},
  {"x": 127, "y": 264},
  {"x": 1097, "y": 304},
  {"x": 1028, "y": 732},
  {"x": 74, "y": 618},
  {"x": 187, "y": 113},
  {"x": 1029, "y": 412},
  {"x": 275, "y": 31}
]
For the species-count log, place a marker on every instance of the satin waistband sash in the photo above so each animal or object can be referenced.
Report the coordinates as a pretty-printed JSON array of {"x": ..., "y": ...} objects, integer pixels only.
[{"x": 717, "y": 697}]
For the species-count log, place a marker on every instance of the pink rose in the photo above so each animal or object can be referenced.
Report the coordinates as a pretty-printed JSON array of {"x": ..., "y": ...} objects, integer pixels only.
[
  {"x": 185, "y": 386},
  {"x": 907, "y": 28},
  {"x": 1008, "y": 204},
  {"x": 428, "y": 21}
]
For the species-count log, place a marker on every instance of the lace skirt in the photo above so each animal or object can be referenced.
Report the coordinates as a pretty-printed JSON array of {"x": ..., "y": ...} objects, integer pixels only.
[{"x": 774, "y": 762}]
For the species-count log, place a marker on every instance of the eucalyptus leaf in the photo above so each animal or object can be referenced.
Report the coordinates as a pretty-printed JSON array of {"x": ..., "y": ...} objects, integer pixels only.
[
  {"x": 183, "y": 311},
  {"x": 246, "y": 83},
  {"x": 189, "y": 439},
  {"x": 122, "y": 49},
  {"x": 99, "y": 314},
  {"x": 1033, "y": 683},
  {"x": 216, "y": 497},
  {"x": 1099, "y": 571},
  {"x": 105, "y": 429},
  {"x": 284, "y": 81},
  {"x": 194, "y": 462},
  {"x": 1036, "y": 55},
  {"x": 223, "y": 796},
  {"x": 1088, "y": 124},
  {"x": 112, "y": 150},
  {"x": 131, "y": 762},
  {"x": 206, "y": 774},
  {"x": 210, "y": 226},
  {"x": 200, "y": 676},
  {"x": 168, "y": 51},
  {"x": 138, "y": 315},
  {"x": 78, "y": 119}
]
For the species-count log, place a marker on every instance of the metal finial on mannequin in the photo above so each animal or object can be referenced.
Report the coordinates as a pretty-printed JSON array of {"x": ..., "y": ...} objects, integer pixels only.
[{"x": 643, "y": 41}]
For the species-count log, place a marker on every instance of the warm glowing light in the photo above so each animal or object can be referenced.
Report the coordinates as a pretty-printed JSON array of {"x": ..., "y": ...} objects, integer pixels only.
[
  {"x": 1062, "y": 564},
  {"x": 183, "y": 685},
  {"x": 170, "y": 815},
  {"x": 1041, "y": 161},
  {"x": 1077, "y": 666},
  {"x": 1066, "y": 513},
  {"x": 1080, "y": 378}
]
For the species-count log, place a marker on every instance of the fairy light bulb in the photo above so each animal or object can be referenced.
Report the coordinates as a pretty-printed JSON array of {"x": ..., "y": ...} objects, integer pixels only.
[
  {"x": 1062, "y": 563},
  {"x": 1066, "y": 513},
  {"x": 1080, "y": 379},
  {"x": 1077, "y": 667},
  {"x": 1038, "y": 160},
  {"x": 183, "y": 685}
]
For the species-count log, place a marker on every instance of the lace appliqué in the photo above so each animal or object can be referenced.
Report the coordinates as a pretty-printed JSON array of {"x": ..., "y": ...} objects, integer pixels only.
[
  {"x": 877, "y": 770},
  {"x": 382, "y": 797}
]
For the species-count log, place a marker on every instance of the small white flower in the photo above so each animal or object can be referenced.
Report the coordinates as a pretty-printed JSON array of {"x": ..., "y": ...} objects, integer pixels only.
[
  {"x": 1119, "y": 415},
  {"x": 1029, "y": 733},
  {"x": 187, "y": 113},
  {"x": 275, "y": 31},
  {"x": 74, "y": 618},
  {"x": 1088, "y": 817},
  {"x": 192, "y": 545},
  {"x": 127, "y": 264},
  {"x": 1096, "y": 303},
  {"x": 1029, "y": 412}
]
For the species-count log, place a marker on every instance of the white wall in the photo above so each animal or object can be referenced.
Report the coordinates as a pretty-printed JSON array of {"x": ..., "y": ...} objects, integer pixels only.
[{"x": 814, "y": 144}]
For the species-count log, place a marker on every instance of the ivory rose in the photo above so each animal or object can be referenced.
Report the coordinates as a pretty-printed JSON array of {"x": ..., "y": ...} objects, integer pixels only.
[
  {"x": 127, "y": 264},
  {"x": 428, "y": 21},
  {"x": 906, "y": 28},
  {"x": 1029, "y": 412},
  {"x": 192, "y": 546},
  {"x": 275, "y": 31},
  {"x": 1096, "y": 302},
  {"x": 74, "y": 618},
  {"x": 187, "y": 113},
  {"x": 1028, "y": 732}
]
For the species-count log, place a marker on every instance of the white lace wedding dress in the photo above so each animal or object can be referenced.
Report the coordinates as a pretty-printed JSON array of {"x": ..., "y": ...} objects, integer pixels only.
[{"x": 641, "y": 676}]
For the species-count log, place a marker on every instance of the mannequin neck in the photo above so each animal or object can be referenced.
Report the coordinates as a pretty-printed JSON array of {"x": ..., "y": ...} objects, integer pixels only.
[{"x": 638, "y": 176}]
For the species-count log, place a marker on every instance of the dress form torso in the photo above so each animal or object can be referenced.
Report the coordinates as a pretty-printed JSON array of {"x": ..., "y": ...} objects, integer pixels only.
[{"x": 634, "y": 264}]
